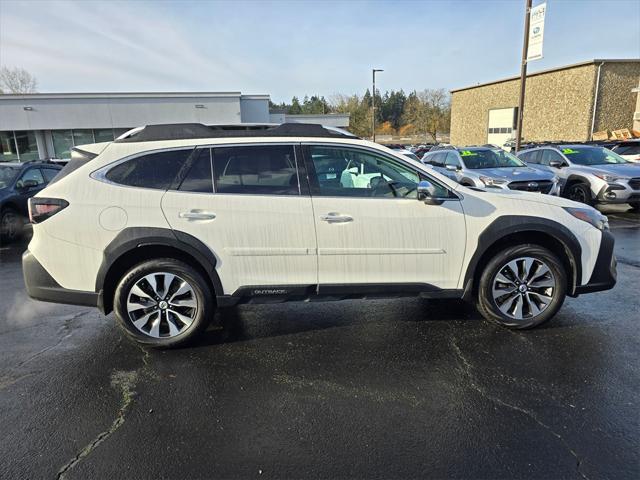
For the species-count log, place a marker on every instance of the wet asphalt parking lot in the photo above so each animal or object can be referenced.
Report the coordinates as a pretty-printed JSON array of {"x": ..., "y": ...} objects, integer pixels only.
[{"x": 398, "y": 388}]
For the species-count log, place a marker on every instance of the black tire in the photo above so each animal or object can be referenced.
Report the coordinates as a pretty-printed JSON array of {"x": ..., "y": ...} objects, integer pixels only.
[
  {"x": 488, "y": 306},
  {"x": 200, "y": 291},
  {"x": 11, "y": 225},
  {"x": 579, "y": 192},
  {"x": 635, "y": 206}
]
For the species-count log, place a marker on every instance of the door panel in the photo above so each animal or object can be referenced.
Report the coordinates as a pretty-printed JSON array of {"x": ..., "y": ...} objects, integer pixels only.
[
  {"x": 258, "y": 239},
  {"x": 375, "y": 236},
  {"x": 390, "y": 241}
]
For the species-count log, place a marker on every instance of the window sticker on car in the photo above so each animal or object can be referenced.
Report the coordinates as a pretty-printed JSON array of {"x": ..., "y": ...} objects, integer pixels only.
[
  {"x": 468, "y": 153},
  {"x": 569, "y": 151}
]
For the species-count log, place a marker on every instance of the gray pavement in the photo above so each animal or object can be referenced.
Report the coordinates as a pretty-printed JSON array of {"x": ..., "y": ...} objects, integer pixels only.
[{"x": 371, "y": 389}]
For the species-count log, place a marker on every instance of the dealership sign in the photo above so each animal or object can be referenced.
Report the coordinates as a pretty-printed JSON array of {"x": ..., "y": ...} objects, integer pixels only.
[{"x": 536, "y": 32}]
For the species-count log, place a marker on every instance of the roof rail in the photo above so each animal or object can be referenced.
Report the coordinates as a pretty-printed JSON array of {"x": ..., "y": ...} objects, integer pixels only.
[{"x": 186, "y": 131}]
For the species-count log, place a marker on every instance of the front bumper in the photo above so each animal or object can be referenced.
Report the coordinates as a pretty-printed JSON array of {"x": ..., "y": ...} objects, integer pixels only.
[
  {"x": 618, "y": 193},
  {"x": 604, "y": 273},
  {"x": 42, "y": 286}
]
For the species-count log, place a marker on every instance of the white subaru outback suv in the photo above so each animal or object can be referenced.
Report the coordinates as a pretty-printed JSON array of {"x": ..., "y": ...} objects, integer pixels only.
[{"x": 169, "y": 222}]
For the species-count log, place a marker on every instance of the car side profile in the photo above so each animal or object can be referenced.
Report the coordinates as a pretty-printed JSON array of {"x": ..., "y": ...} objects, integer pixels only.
[
  {"x": 170, "y": 222},
  {"x": 18, "y": 183},
  {"x": 589, "y": 174},
  {"x": 487, "y": 167}
]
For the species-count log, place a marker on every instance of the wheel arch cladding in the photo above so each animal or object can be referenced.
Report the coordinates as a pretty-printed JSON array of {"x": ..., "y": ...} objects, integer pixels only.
[
  {"x": 514, "y": 229},
  {"x": 137, "y": 244}
]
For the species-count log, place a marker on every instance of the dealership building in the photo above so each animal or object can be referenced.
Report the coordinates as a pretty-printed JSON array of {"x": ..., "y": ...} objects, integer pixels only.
[
  {"x": 567, "y": 103},
  {"x": 48, "y": 125}
]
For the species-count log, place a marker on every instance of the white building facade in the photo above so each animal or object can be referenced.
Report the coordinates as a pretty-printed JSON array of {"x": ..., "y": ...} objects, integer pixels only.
[{"x": 48, "y": 125}]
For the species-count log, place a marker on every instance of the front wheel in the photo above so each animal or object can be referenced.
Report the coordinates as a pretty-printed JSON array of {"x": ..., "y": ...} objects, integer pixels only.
[
  {"x": 163, "y": 303},
  {"x": 522, "y": 287},
  {"x": 580, "y": 192}
]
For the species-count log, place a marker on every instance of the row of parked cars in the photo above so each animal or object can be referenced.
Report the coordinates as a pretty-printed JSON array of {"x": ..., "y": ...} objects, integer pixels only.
[{"x": 587, "y": 173}]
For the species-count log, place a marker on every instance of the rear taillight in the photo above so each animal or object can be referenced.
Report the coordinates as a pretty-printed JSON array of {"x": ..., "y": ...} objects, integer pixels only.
[{"x": 42, "y": 208}]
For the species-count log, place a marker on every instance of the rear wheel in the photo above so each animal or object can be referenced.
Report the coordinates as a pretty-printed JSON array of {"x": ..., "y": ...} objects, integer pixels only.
[
  {"x": 11, "y": 225},
  {"x": 579, "y": 192},
  {"x": 522, "y": 287},
  {"x": 163, "y": 303}
]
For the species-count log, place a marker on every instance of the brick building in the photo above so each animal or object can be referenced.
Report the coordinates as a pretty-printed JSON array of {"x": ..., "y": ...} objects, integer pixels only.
[{"x": 559, "y": 104}]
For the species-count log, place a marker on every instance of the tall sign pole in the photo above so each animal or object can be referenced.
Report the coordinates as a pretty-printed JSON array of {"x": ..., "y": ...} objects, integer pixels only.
[
  {"x": 531, "y": 50},
  {"x": 523, "y": 73},
  {"x": 373, "y": 105}
]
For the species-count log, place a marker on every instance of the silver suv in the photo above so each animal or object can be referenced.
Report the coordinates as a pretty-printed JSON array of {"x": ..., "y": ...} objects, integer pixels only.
[
  {"x": 589, "y": 174},
  {"x": 490, "y": 167}
]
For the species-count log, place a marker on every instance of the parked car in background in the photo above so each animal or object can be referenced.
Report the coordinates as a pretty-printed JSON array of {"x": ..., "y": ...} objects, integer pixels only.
[
  {"x": 589, "y": 173},
  {"x": 409, "y": 154},
  {"x": 490, "y": 167},
  {"x": 18, "y": 183},
  {"x": 629, "y": 150},
  {"x": 170, "y": 222}
]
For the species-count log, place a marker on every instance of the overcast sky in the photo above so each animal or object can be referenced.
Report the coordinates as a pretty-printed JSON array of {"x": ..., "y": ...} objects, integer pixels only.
[{"x": 297, "y": 47}]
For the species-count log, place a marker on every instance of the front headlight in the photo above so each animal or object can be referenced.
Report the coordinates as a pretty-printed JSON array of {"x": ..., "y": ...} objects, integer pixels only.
[
  {"x": 610, "y": 178},
  {"x": 590, "y": 215},
  {"x": 493, "y": 182}
]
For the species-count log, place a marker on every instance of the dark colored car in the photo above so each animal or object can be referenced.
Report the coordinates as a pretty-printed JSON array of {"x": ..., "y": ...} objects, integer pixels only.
[{"x": 18, "y": 183}]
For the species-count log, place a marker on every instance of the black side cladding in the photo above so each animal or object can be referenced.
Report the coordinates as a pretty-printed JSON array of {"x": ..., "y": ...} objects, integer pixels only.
[{"x": 78, "y": 159}]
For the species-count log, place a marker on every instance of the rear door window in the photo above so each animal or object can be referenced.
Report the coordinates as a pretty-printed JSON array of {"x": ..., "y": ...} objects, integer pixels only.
[
  {"x": 32, "y": 176},
  {"x": 256, "y": 170},
  {"x": 550, "y": 155},
  {"x": 452, "y": 159},
  {"x": 153, "y": 170}
]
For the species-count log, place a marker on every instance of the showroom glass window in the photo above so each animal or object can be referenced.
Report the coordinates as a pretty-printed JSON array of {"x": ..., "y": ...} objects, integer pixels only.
[
  {"x": 82, "y": 137},
  {"x": 350, "y": 172},
  {"x": 103, "y": 135},
  {"x": 8, "y": 150},
  {"x": 27, "y": 146},
  {"x": 62, "y": 143},
  {"x": 256, "y": 170}
]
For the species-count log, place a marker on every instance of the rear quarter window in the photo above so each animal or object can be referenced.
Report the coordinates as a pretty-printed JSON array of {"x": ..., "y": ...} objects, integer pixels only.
[{"x": 153, "y": 170}]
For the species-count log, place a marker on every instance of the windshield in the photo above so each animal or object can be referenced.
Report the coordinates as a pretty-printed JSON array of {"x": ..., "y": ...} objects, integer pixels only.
[
  {"x": 411, "y": 155},
  {"x": 476, "y": 159},
  {"x": 592, "y": 156},
  {"x": 7, "y": 174}
]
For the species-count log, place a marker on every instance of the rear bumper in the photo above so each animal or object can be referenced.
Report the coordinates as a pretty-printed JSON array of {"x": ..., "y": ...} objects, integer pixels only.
[
  {"x": 42, "y": 286},
  {"x": 604, "y": 273}
]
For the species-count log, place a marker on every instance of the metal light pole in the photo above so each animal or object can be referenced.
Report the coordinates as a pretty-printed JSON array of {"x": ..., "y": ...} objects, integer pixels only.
[
  {"x": 523, "y": 73},
  {"x": 373, "y": 104}
]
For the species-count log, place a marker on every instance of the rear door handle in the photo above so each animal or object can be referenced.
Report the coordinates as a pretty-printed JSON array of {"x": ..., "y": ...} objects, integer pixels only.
[
  {"x": 336, "y": 218},
  {"x": 197, "y": 215}
]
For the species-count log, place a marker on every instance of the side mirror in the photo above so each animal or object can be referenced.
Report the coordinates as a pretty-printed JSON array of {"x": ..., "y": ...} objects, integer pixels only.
[
  {"x": 452, "y": 168},
  {"x": 428, "y": 194},
  {"x": 556, "y": 164}
]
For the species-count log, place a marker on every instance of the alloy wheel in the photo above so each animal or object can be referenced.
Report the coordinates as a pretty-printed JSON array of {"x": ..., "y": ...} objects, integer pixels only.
[
  {"x": 523, "y": 288},
  {"x": 162, "y": 305},
  {"x": 577, "y": 194}
]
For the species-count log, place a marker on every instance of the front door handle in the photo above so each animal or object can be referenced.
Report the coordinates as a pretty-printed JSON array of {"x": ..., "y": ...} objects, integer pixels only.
[
  {"x": 197, "y": 215},
  {"x": 336, "y": 218}
]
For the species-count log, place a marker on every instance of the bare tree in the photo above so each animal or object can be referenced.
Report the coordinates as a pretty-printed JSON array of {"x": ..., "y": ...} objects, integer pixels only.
[{"x": 17, "y": 80}]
